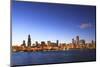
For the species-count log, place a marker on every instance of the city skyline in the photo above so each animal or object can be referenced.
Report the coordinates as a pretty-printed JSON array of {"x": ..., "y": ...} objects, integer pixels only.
[
  {"x": 75, "y": 40},
  {"x": 77, "y": 43},
  {"x": 45, "y": 21}
]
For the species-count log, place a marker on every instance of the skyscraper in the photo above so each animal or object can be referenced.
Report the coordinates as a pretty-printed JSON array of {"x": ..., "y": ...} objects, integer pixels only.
[
  {"x": 82, "y": 42},
  {"x": 57, "y": 42},
  {"x": 49, "y": 43},
  {"x": 77, "y": 40},
  {"x": 92, "y": 42},
  {"x": 73, "y": 41},
  {"x": 23, "y": 44},
  {"x": 37, "y": 44},
  {"x": 29, "y": 41}
]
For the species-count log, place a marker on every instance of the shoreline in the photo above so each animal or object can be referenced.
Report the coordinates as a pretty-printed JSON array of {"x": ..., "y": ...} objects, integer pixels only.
[{"x": 55, "y": 50}]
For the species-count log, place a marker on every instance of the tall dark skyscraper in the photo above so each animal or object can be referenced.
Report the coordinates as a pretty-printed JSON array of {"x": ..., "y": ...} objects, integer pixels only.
[
  {"x": 57, "y": 42},
  {"x": 29, "y": 41},
  {"x": 23, "y": 44},
  {"x": 92, "y": 42},
  {"x": 73, "y": 41},
  {"x": 77, "y": 40}
]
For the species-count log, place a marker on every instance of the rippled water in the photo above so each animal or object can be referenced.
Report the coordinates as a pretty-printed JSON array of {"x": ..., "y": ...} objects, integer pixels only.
[{"x": 47, "y": 57}]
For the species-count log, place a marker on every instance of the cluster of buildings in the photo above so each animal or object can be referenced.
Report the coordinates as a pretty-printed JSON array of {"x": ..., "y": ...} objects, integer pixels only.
[{"x": 50, "y": 46}]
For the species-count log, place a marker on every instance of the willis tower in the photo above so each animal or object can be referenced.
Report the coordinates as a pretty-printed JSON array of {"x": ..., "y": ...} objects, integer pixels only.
[{"x": 29, "y": 41}]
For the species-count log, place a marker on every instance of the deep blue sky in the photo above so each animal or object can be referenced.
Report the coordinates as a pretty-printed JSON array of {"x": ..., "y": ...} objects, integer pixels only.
[{"x": 53, "y": 22}]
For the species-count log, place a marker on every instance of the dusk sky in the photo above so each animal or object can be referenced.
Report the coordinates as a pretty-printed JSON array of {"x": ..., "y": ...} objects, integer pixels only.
[{"x": 45, "y": 21}]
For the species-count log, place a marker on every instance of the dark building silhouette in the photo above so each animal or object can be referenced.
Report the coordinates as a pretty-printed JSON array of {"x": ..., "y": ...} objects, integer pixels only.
[
  {"x": 73, "y": 41},
  {"x": 92, "y": 42},
  {"x": 53, "y": 44},
  {"x": 29, "y": 41},
  {"x": 23, "y": 44},
  {"x": 77, "y": 40},
  {"x": 37, "y": 44},
  {"x": 48, "y": 42},
  {"x": 42, "y": 43},
  {"x": 82, "y": 42},
  {"x": 33, "y": 45},
  {"x": 57, "y": 42}
]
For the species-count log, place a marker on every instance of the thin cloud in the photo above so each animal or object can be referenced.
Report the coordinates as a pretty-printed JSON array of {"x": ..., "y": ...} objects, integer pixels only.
[{"x": 85, "y": 25}]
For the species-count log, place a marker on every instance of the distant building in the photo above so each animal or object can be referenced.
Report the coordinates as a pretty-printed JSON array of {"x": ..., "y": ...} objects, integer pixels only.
[
  {"x": 92, "y": 42},
  {"x": 82, "y": 42},
  {"x": 53, "y": 44},
  {"x": 42, "y": 42},
  {"x": 73, "y": 41},
  {"x": 37, "y": 44},
  {"x": 57, "y": 42},
  {"x": 77, "y": 40},
  {"x": 48, "y": 42},
  {"x": 23, "y": 44},
  {"x": 29, "y": 41},
  {"x": 33, "y": 45}
]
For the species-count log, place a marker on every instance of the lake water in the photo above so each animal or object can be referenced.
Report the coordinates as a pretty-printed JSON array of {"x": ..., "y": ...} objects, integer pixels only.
[{"x": 48, "y": 57}]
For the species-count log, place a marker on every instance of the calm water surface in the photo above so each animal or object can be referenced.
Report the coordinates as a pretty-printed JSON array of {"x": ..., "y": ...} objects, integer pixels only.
[{"x": 46, "y": 57}]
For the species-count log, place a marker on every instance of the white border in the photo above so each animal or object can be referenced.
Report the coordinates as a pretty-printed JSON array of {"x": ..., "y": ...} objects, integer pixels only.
[
  {"x": 84, "y": 2},
  {"x": 5, "y": 33}
]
